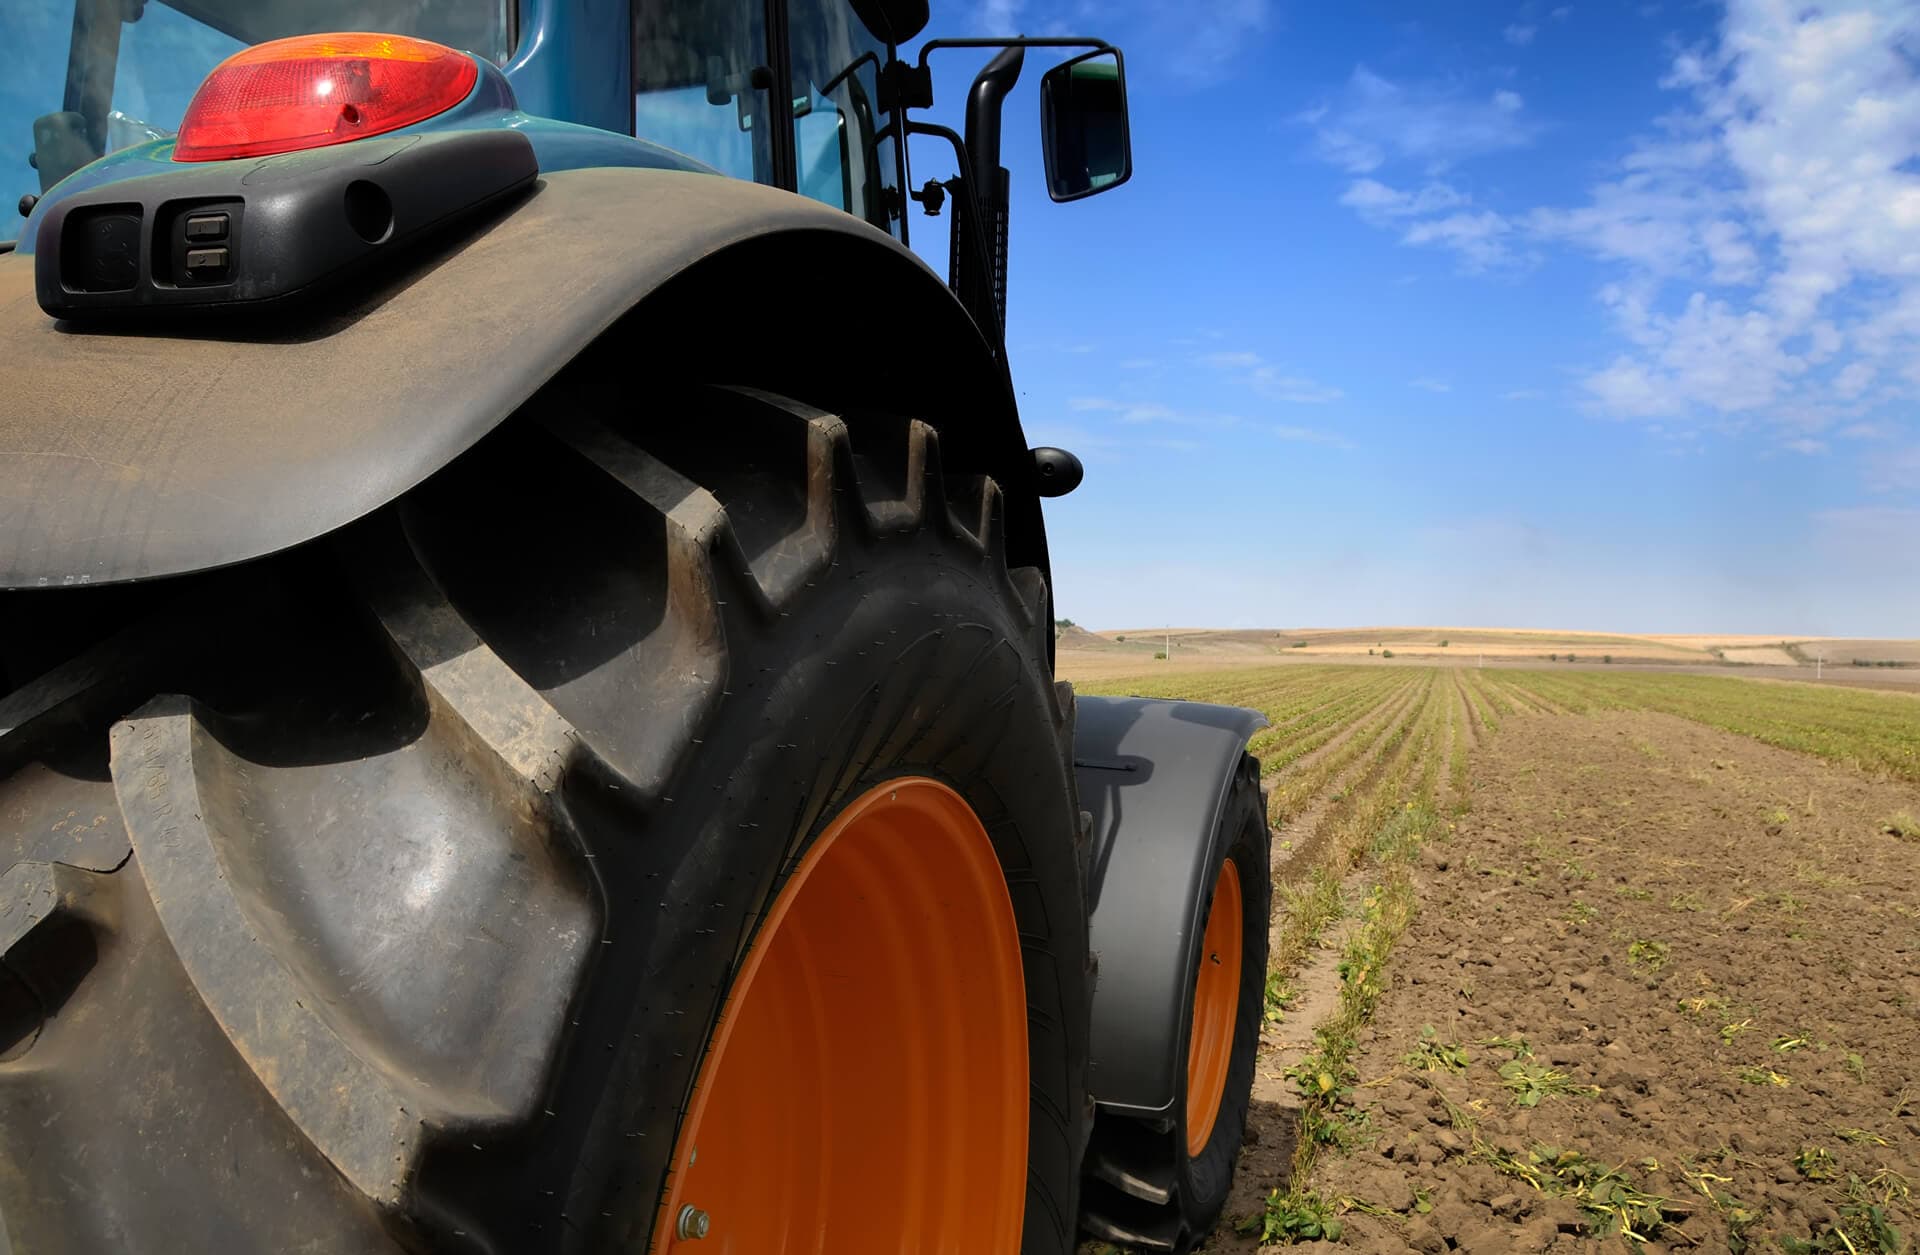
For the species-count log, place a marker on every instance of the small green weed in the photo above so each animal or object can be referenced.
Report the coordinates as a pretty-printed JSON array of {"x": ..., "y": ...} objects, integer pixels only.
[
  {"x": 1294, "y": 1216},
  {"x": 1902, "y": 825},
  {"x": 1430, "y": 1054},
  {"x": 1859, "y": 1137},
  {"x": 1765, "y": 1076},
  {"x": 1631, "y": 891},
  {"x": 1279, "y": 994},
  {"x": 1815, "y": 1163},
  {"x": 1648, "y": 953},
  {"x": 1615, "y": 1207},
  {"x": 1529, "y": 1082}
]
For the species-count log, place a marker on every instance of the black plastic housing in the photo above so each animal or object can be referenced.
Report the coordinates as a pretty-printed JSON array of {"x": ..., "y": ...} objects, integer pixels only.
[{"x": 269, "y": 230}]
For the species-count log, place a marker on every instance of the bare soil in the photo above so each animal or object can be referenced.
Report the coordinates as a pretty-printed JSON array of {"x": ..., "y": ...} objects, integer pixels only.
[{"x": 1717, "y": 936}]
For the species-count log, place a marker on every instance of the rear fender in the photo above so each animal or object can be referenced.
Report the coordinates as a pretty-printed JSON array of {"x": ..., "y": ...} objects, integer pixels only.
[
  {"x": 1154, "y": 775},
  {"x": 189, "y": 444}
]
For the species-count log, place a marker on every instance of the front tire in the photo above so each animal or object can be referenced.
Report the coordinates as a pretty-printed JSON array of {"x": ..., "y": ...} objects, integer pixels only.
[
  {"x": 1161, "y": 1185},
  {"x": 445, "y": 874}
]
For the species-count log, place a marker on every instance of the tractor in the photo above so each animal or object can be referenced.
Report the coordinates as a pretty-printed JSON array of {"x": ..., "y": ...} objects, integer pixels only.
[{"x": 509, "y": 741}]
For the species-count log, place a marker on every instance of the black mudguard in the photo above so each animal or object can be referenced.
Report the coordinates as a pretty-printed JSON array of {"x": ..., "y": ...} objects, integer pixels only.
[
  {"x": 188, "y": 443},
  {"x": 1155, "y": 775}
]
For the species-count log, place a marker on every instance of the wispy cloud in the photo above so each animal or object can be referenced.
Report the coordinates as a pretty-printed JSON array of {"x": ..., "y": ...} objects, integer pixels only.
[
  {"x": 1520, "y": 34},
  {"x": 1307, "y": 435},
  {"x": 1427, "y": 383},
  {"x": 1897, "y": 471},
  {"x": 1269, "y": 380},
  {"x": 1764, "y": 234},
  {"x": 1193, "y": 45},
  {"x": 1374, "y": 120},
  {"x": 1147, "y": 412}
]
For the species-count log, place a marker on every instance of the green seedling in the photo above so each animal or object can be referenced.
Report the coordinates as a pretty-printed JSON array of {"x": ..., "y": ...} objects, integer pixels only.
[
  {"x": 1430, "y": 1054},
  {"x": 1529, "y": 1082},
  {"x": 1292, "y": 1217},
  {"x": 1765, "y": 1076},
  {"x": 1614, "y": 1206},
  {"x": 1730, "y": 1031},
  {"x": 1279, "y": 993},
  {"x": 1859, "y": 1137},
  {"x": 1649, "y": 954},
  {"x": 1518, "y": 1047},
  {"x": 1704, "y": 1004},
  {"x": 1815, "y": 1163}
]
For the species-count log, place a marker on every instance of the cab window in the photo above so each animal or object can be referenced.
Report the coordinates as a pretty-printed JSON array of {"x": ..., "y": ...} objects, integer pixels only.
[{"x": 844, "y": 147}]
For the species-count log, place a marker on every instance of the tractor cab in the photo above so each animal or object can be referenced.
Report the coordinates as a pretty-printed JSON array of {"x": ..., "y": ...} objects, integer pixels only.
[{"x": 804, "y": 95}]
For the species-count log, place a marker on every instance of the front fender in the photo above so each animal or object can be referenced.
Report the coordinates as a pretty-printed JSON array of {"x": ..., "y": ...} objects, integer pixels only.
[
  {"x": 130, "y": 454},
  {"x": 1155, "y": 775}
]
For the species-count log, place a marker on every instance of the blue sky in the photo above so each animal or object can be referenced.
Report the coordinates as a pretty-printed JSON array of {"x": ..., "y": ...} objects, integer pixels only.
[
  {"x": 1594, "y": 315},
  {"x": 1563, "y": 315}
]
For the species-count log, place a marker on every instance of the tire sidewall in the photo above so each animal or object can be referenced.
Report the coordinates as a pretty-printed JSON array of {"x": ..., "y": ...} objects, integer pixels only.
[
  {"x": 911, "y": 656},
  {"x": 1206, "y": 1178}
]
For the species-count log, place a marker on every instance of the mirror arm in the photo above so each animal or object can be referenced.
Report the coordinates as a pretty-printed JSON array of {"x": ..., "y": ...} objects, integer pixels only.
[
  {"x": 990, "y": 179},
  {"x": 969, "y": 273},
  {"x": 1020, "y": 41},
  {"x": 981, "y": 213}
]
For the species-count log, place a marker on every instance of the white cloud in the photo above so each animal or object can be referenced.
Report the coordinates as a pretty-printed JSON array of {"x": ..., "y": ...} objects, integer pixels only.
[
  {"x": 1229, "y": 361},
  {"x": 1562, "y": 13},
  {"x": 1428, "y": 384},
  {"x": 1795, "y": 177},
  {"x": 1001, "y": 17},
  {"x": 1307, "y": 435},
  {"x": 1375, "y": 120},
  {"x": 1145, "y": 412},
  {"x": 1269, "y": 380},
  {"x": 1479, "y": 238},
  {"x": 1764, "y": 233},
  {"x": 1373, "y": 198},
  {"x": 1519, "y": 34},
  {"x": 1897, "y": 471},
  {"x": 1809, "y": 448}
]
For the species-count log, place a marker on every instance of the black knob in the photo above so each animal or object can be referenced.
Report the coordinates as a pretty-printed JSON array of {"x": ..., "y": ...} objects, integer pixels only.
[
  {"x": 1059, "y": 472},
  {"x": 27, "y": 202}
]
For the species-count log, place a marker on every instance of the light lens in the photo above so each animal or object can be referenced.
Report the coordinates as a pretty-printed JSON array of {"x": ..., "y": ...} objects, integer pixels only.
[{"x": 315, "y": 90}]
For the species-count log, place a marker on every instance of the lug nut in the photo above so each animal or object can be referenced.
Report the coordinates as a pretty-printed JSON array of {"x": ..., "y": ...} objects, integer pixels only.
[{"x": 693, "y": 1223}]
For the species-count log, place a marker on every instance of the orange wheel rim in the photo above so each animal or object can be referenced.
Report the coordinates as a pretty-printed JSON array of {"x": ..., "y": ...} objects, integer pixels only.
[
  {"x": 1216, "y": 1007},
  {"x": 865, "y": 1091}
]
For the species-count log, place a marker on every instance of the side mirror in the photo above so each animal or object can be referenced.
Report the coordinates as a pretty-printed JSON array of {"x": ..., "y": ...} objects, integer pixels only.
[{"x": 1083, "y": 125}]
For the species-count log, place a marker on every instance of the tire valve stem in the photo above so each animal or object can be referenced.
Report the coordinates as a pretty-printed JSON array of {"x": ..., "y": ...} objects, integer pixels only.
[{"x": 693, "y": 1224}]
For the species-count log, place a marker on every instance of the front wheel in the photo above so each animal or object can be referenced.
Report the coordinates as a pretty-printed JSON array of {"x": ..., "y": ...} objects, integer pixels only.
[{"x": 1160, "y": 1185}]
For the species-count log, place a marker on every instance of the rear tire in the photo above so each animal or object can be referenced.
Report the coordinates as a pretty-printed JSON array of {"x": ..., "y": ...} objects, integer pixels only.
[
  {"x": 1146, "y": 1186},
  {"x": 443, "y": 879}
]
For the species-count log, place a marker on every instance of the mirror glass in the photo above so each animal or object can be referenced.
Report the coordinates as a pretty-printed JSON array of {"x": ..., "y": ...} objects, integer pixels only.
[{"x": 1083, "y": 125}]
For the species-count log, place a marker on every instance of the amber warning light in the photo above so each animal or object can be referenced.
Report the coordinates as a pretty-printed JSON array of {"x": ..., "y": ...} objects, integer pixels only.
[{"x": 314, "y": 90}]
